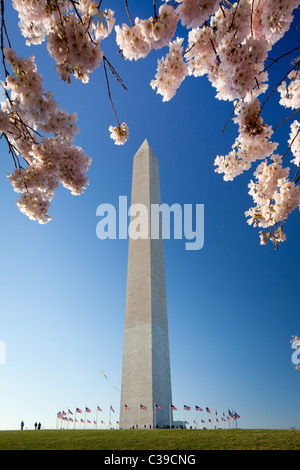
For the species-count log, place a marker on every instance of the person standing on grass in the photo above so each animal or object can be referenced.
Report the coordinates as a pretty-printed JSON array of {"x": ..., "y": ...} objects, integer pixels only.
[{"x": 22, "y": 425}]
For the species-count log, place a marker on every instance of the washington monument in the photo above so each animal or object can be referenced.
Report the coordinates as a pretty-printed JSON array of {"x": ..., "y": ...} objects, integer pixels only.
[{"x": 146, "y": 380}]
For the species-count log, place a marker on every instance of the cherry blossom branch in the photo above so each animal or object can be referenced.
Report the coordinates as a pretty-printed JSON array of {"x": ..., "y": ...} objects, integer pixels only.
[
  {"x": 230, "y": 117},
  {"x": 288, "y": 117},
  {"x": 108, "y": 89},
  {"x": 275, "y": 88},
  {"x": 233, "y": 17},
  {"x": 291, "y": 143},
  {"x": 114, "y": 72},
  {"x": 3, "y": 31},
  {"x": 276, "y": 60},
  {"x": 128, "y": 14},
  {"x": 12, "y": 150},
  {"x": 154, "y": 8}
]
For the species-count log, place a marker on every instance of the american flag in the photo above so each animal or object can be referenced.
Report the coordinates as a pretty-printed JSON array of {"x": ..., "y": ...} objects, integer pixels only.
[
  {"x": 111, "y": 408},
  {"x": 98, "y": 408},
  {"x": 210, "y": 421},
  {"x": 87, "y": 409},
  {"x": 82, "y": 420},
  {"x": 202, "y": 421},
  {"x": 208, "y": 410},
  {"x": 173, "y": 407},
  {"x": 78, "y": 410},
  {"x": 127, "y": 407},
  {"x": 70, "y": 412},
  {"x": 158, "y": 407},
  {"x": 185, "y": 407},
  {"x": 143, "y": 407},
  {"x": 102, "y": 422},
  {"x": 198, "y": 408}
]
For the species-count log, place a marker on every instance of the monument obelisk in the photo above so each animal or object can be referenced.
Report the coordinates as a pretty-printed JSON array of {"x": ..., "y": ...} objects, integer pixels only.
[{"x": 146, "y": 379}]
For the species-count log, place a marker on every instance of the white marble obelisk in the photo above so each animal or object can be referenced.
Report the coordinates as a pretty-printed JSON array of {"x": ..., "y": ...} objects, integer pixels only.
[{"x": 146, "y": 378}]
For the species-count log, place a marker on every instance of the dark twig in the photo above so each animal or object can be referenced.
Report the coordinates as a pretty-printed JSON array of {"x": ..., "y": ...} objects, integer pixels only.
[
  {"x": 280, "y": 57},
  {"x": 128, "y": 14},
  {"x": 282, "y": 122},
  {"x": 108, "y": 89},
  {"x": 289, "y": 147},
  {"x": 114, "y": 72}
]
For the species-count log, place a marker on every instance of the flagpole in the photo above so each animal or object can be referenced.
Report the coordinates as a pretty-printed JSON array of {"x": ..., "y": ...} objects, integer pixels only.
[
  {"x": 170, "y": 415},
  {"x": 183, "y": 415}
]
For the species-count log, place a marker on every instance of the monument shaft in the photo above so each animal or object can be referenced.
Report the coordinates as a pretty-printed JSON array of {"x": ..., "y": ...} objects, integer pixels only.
[{"x": 146, "y": 378}]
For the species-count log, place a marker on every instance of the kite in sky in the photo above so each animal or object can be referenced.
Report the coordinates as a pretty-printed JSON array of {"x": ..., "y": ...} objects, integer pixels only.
[{"x": 109, "y": 380}]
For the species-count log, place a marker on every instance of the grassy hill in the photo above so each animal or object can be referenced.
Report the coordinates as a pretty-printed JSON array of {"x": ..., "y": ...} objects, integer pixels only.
[{"x": 159, "y": 439}]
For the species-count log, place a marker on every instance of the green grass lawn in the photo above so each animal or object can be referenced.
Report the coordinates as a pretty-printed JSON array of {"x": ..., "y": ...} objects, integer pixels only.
[{"x": 159, "y": 439}]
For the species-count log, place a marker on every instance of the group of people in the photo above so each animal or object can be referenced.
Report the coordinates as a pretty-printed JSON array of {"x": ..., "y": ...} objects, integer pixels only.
[{"x": 36, "y": 425}]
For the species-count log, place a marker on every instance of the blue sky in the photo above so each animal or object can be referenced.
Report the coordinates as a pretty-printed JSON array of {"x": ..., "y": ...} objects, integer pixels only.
[{"x": 232, "y": 306}]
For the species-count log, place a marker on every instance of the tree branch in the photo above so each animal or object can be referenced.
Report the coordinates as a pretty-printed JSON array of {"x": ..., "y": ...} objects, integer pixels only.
[{"x": 127, "y": 10}]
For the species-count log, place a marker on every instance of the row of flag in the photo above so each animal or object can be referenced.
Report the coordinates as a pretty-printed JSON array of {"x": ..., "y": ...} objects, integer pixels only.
[
  {"x": 65, "y": 416},
  {"x": 68, "y": 416},
  {"x": 231, "y": 414}
]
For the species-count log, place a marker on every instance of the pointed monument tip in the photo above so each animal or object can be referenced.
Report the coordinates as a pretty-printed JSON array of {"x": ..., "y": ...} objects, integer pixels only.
[
  {"x": 145, "y": 143},
  {"x": 145, "y": 149}
]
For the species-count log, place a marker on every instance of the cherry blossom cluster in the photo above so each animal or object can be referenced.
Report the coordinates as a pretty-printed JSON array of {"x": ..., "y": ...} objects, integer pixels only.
[
  {"x": 119, "y": 133},
  {"x": 290, "y": 95},
  {"x": 275, "y": 197},
  {"x": 228, "y": 53},
  {"x": 50, "y": 159},
  {"x": 294, "y": 142},
  {"x": 253, "y": 142},
  {"x": 74, "y": 31},
  {"x": 153, "y": 33},
  {"x": 193, "y": 13},
  {"x": 171, "y": 71}
]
